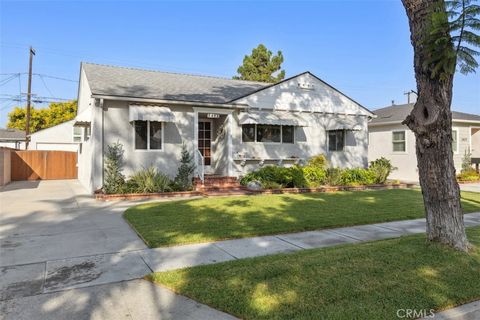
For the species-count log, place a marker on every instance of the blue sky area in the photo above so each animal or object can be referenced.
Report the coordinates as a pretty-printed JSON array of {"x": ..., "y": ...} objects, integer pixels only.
[{"x": 360, "y": 47}]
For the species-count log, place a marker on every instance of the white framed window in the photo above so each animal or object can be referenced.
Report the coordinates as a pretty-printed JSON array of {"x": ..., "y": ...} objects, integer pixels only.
[
  {"x": 455, "y": 140},
  {"x": 148, "y": 135},
  {"x": 267, "y": 133},
  {"x": 81, "y": 134},
  {"x": 399, "y": 142},
  {"x": 77, "y": 134},
  {"x": 336, "y": 140}
]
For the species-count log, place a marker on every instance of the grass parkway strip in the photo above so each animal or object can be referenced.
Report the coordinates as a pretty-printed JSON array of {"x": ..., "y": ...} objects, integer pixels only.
[
  {"x": 364, "y": 281},
  {"x": 212, "y": 219}
]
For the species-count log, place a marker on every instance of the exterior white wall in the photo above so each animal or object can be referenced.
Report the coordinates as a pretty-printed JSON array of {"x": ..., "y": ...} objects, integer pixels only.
[
  {"x": 475, "y": 141},
  {"x": 289, "y": 96},
  {"x": 86, "y": 154},
  {"x": 322, "y": 106},
  {"x": 380, "y": 145},
  {"x": 309, "y": 141},
  {"x": 59, "y": 137},
  {"x": 117, "y": 128},
  {"x": 13, "y": 145},
  {"x": 84, "y": 93}
]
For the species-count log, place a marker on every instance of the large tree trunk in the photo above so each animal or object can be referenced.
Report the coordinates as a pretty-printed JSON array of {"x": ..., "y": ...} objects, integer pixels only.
[{"x": 431, "y": 121}]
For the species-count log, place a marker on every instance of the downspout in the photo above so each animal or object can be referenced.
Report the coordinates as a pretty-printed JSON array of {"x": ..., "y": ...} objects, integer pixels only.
[{"x": 103, "y": 141}]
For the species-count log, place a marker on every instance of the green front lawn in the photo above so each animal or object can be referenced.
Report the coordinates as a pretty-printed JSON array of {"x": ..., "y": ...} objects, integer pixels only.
[
  {"x": 362, "y": 281},
  {"x": 211, "y": 219}
]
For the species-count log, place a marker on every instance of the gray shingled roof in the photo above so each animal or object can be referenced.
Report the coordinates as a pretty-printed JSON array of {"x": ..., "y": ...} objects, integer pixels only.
[
  {"x": 398, "y": 113},
  {"x": 138, "y": 83},
  {"x": 12, "y": 135}
]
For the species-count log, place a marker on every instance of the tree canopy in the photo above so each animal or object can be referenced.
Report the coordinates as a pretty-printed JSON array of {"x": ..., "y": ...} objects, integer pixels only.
[
  {"x": 450, "y": 38},
  {"x": 261, "y": 66},
  {"x": 56, "y": 113}
]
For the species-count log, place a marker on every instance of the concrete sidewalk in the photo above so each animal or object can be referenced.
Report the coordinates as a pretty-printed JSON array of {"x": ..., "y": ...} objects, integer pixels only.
[{"x": 78, "y": 272}]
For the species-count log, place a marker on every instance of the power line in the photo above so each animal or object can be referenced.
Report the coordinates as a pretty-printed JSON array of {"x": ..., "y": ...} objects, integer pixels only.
[
  {"x": 45, "y": 85},
  {"x": 54, "y": 77},
  {"x": 7, "y": 80}
]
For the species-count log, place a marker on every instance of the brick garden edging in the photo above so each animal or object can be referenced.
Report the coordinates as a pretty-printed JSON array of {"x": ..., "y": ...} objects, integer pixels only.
[
  {"x": 189, "y": 194},
  {"x": 337, "y": 188},
  {"x": 140, "y": 196}
]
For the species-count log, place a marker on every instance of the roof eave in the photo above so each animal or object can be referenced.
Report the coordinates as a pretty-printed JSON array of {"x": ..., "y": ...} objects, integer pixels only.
[
  {"x": 386, "y": 123},
  {"x": 168, "y": 101}
]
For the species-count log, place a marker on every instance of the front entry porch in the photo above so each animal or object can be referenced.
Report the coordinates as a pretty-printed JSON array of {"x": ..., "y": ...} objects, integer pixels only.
[{"x": 212, "y": 142}]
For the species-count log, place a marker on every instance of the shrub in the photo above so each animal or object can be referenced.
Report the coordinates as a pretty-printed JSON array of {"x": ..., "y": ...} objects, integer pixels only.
[
  {"x": 357, "y": 176},
  {"x": 148, "y": 180},
  {"x": 381, "y": 169},
  {"x": 114, "y": 178},
  {"x": 318, "y": 161},
  {"x": 271, "y": 185},
  {"x": 183, "y": 180},
  {"x": 286, "y": 177},
  {"x": 333, "y": 176},
  {"x": 314, "y": 176},
  {"x": 470, "y": 175},
  {"x": 467, "y": 162}
]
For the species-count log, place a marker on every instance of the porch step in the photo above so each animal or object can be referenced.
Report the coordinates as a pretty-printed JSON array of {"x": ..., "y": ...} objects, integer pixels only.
[{"x": 216, "y": 183}]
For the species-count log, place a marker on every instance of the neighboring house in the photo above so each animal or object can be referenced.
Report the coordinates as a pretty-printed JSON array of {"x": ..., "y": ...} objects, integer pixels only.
[
  {"x": 230, "y": 126},
  {"x": 12, "y": 138},
  {"x": 62, "y": 137},
  {"x": 390, "y": 139}
]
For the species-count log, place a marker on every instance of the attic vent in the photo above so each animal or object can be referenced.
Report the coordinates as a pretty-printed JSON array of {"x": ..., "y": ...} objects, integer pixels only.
[{"x": 306, "y": 86}]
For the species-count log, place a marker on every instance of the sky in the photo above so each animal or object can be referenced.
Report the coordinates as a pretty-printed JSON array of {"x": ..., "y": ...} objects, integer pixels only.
[{"x": 360, "y": 47}]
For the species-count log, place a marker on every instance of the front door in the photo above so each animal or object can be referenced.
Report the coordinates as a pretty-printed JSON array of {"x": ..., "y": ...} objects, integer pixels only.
[{"x": 205, "y": 143}]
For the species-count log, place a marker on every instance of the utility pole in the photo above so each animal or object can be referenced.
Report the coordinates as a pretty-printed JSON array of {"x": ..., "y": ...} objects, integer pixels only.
[
  {"x": 29, "y": 98},
  {"x": 408, "y": 93}
]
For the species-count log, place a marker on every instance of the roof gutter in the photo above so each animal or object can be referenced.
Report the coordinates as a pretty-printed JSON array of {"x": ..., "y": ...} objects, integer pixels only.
[
  {"x": 386, "y": 123},
  {"x": 176, "y": 102}
]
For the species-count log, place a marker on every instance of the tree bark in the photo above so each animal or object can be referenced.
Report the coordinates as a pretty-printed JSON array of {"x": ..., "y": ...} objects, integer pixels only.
[{"x": 431, "y": 121}]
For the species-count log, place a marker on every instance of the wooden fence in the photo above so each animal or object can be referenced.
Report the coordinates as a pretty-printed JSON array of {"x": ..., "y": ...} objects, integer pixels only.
[{"x": 43, "y": 165}]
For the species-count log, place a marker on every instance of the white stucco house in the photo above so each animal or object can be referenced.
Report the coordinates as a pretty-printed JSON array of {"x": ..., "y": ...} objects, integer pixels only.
[
  {"x": 390, "y": 139},
  {"x": 230, "y": 126}
]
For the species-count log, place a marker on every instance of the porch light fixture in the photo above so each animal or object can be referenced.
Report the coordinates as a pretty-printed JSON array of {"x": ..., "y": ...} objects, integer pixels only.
[{"x": 213, "y": 115}]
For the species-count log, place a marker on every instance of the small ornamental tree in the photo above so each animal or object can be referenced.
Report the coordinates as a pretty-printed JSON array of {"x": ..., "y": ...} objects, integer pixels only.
[
  {"x": 467, "y": 161},
  {"x": 183, "y": 180},
  {"x": 114, "y": 178}
]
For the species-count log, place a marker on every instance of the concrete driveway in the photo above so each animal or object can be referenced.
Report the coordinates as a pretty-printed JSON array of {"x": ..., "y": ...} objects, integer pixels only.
[
  {"x": 56, "y": 219},
  {"x": 64, "y": 255}
]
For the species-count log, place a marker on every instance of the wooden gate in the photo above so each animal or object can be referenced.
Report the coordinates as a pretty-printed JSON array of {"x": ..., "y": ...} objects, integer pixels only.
[{"x": 43, "y": 165}]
